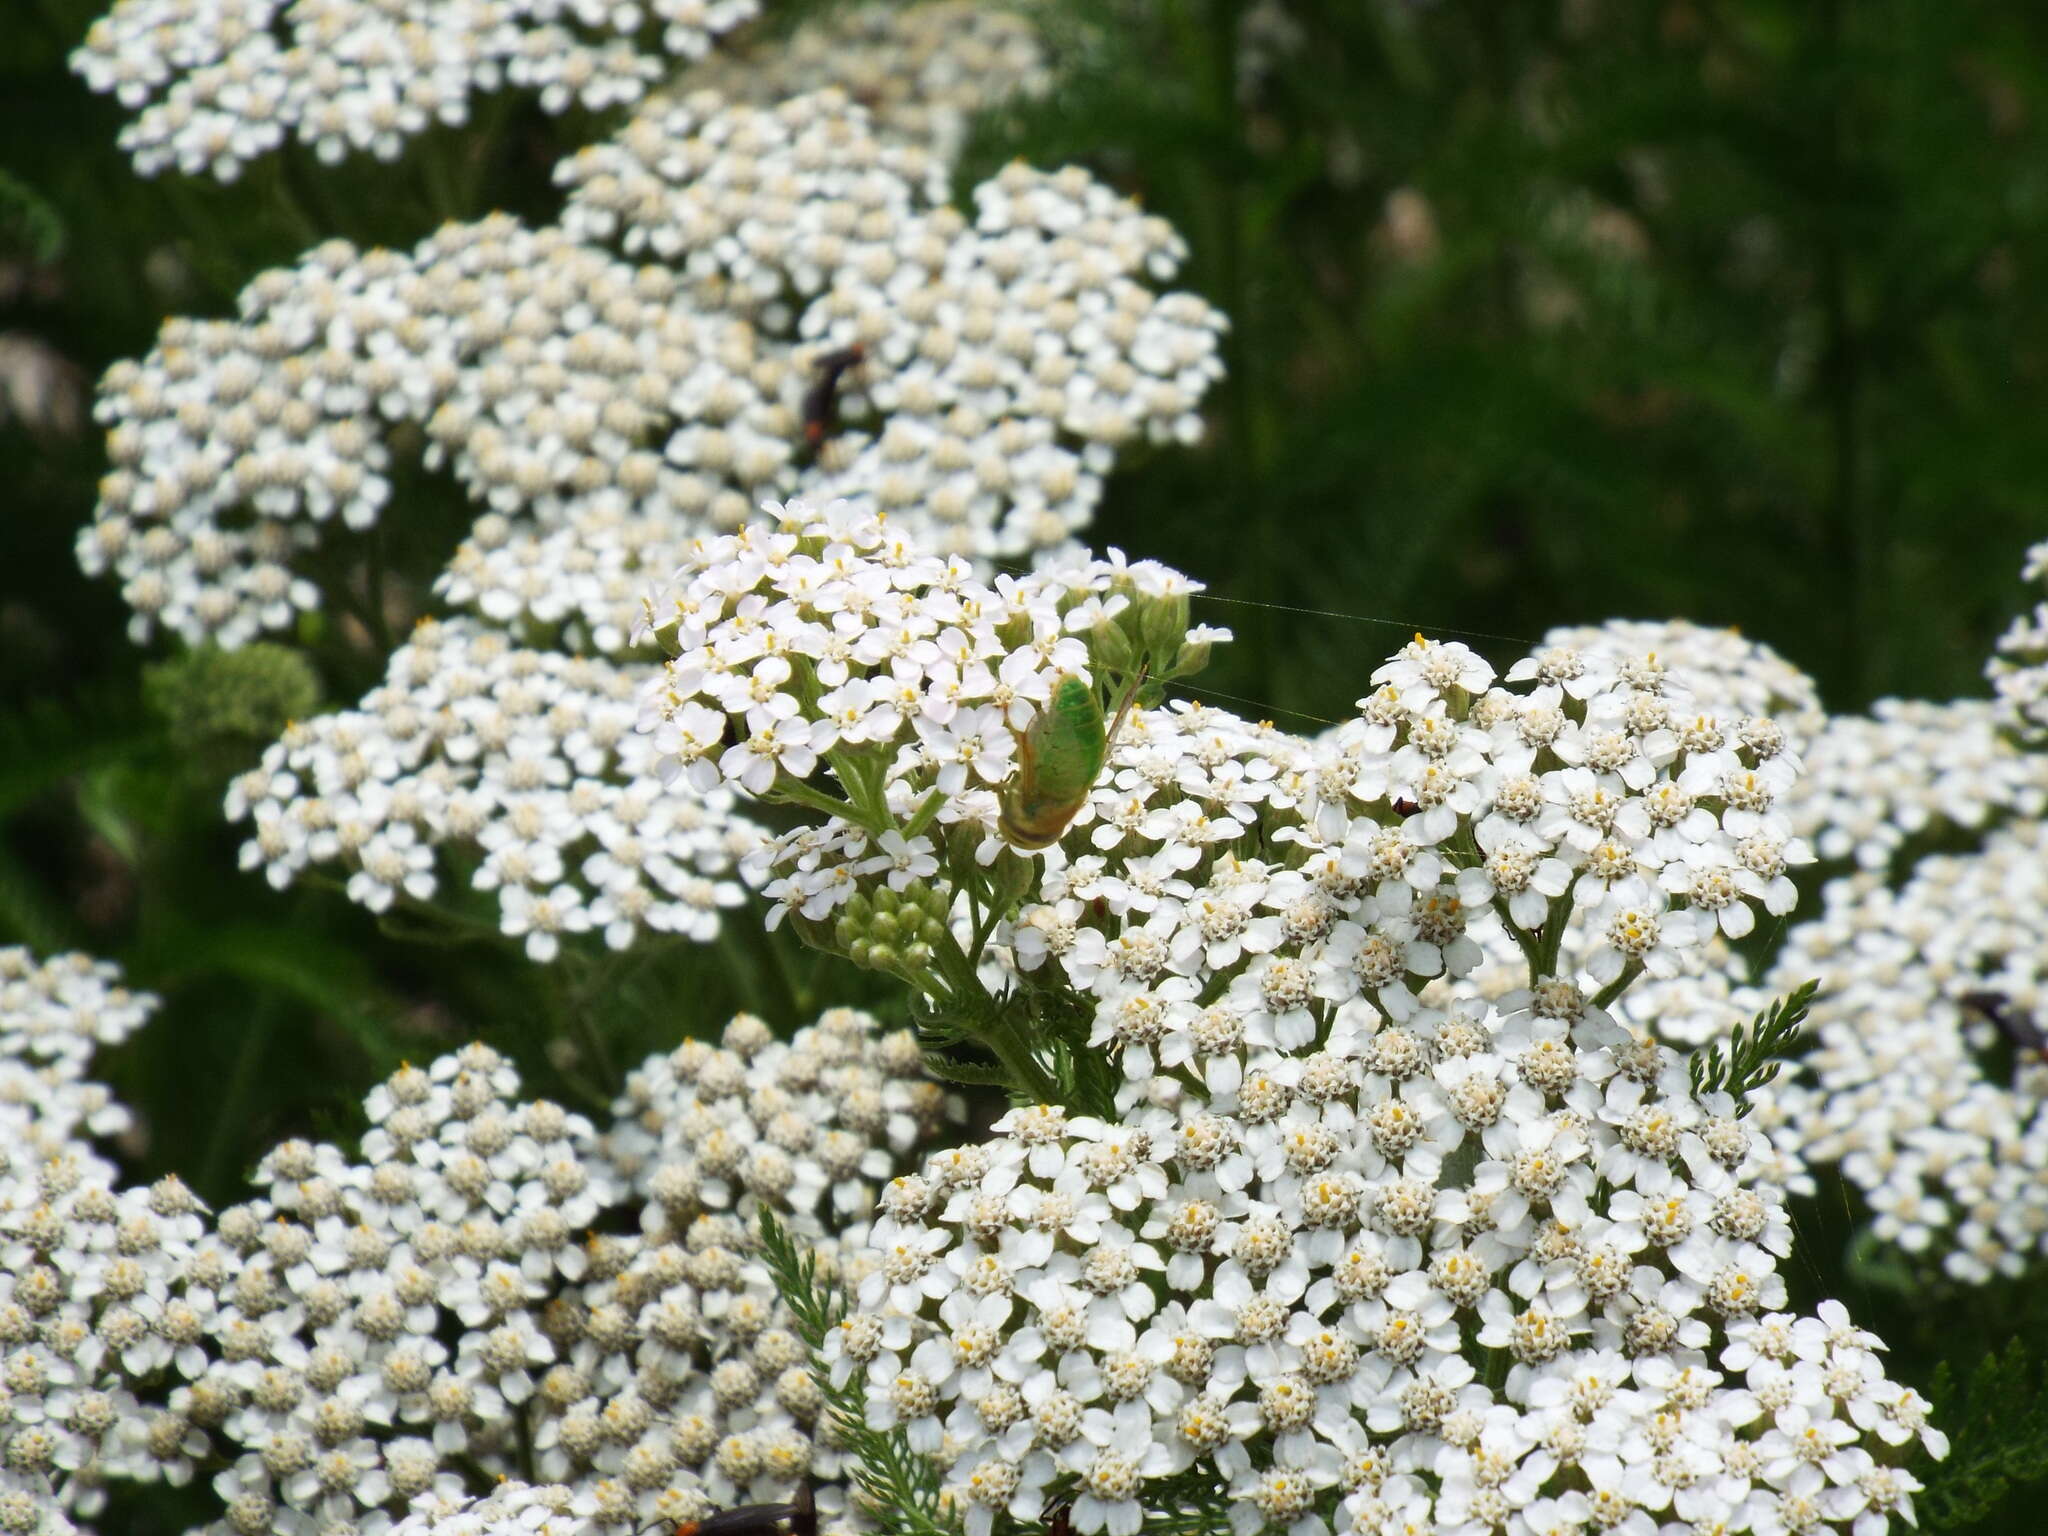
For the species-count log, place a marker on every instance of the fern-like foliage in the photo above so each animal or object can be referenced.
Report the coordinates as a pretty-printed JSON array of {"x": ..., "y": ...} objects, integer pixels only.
[
  {"x": 897, "y": 1488},
  {"x": 1754, "y": 1055},
  {"x": 1998, "y": 1438}
]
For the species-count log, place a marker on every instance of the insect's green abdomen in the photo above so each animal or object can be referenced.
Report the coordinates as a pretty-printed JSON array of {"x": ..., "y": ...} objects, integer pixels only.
[{"x": 1058, "y": 759}]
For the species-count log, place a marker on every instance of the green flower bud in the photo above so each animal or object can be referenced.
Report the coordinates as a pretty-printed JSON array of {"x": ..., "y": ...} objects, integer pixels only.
[
  {"x": 1191, "y": 658},
  {"x": 1110, "y": 649},
  {"x": 1163, "y": 623}
]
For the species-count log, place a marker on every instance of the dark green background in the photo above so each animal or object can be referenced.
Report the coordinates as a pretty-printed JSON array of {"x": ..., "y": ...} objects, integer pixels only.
[{"x": 1728, "y": 311}]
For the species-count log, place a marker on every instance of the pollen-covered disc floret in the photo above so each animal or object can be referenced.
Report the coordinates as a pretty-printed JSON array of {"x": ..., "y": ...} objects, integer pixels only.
[
  {"x": 601, "y": 410},
  {"x": 215, "y": 84},
  {"x": 2019, "y": 669},
  {"x": 1296, "y": 1285},
  {"x": 524, "y": 761},
  {"x": 1927, "y": 1081}
]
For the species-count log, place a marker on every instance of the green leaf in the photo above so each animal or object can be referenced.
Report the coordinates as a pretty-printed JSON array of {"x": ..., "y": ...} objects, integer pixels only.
[
  {"x": 1753, "y": 1056},
  {"x": 1998, "y": 1438},
  {"x": 899, "y": 1488}
]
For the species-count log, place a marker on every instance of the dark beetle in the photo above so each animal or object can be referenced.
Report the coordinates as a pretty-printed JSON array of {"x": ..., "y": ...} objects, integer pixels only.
[{"x": 821, "y": 400}]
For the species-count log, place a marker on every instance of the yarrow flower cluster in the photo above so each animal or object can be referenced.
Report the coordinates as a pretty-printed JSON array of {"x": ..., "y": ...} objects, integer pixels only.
[
  {"x": 84, "y": 1264},
  {"x": 833, "y": 663},
  {"x": 525, "y": 767},
  {"x": 1321, "y": 1205},
  {"x": 489, "y": 1286},
  {"x": 2019, "y": 670},
  {"x": 1927, "y": 1080},
  {"x": 1724, "y": 670},
  {"x": 54, "y": 1015},
  {"x": 601, "y": 412},
  {"x": 1025, "y": 334},
  {"x": 924, "y": 72},
  {"x": 1874, "y": 783},
  {"x": 215, "y": 84}
]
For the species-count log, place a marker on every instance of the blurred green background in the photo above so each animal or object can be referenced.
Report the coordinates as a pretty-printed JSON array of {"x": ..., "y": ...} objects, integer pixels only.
[{"x": 1542, "y": 313}]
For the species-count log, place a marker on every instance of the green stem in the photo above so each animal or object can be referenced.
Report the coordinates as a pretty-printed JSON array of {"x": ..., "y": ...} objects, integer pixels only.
[
  {"x": 794, "y": 791},
  {"x": 1551, "y": 939},
  {"x": 1619, "y": 985}
]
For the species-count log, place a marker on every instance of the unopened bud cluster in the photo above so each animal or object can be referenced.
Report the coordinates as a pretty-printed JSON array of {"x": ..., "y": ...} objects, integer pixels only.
[{"x": 882, "y": 930}]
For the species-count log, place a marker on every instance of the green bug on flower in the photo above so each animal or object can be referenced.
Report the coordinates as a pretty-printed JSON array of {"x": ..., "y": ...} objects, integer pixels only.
[{"x": 1059, "y": 758}]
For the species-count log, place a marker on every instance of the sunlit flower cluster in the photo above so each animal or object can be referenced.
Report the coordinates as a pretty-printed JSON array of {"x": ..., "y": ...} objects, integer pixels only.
[
  {"x": 215, "y": 84},
  {"x": 1927, "y": 1080},
  {"x": 1491, "y": 1266},
  {"x": 922, "y": 71},
  {"x": 2019, "y": 670},
  {"x": 1602, "y": 794},
  {"x": 600, "y": 411},
  {"x": 519, "y": 767},
  {"x": 1876, "y": 782}
]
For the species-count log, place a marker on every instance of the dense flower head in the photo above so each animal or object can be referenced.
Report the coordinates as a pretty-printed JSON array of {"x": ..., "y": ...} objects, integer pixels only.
[
  {"x": 513, "y": 1508},
  {"x": 1365, "y": 1248},
  {"x": 523, "y": 762},
  {"x": 1003, "y": 359},
  {"x": 54, "y": 1014},
  {"x": 1474, "y": 1266},
  {"x": 1927, "y": 1081},
  {"x": 215, "y": 84},
  {"x": 1874, "y": 783},
  {"x": 812, "y": 1126},
  {"x": 489, "y": 1286},
  {"x": 1724, "y": 670},
  {"x": 2019, "y": 669},
  {"x": 923, "y": 71},
  {"x": 1590, "y": 809},
  {"x": 600, "y": 411},
  {"x": 830, "y": 661},
  {"x": 83, "y": 1262}
]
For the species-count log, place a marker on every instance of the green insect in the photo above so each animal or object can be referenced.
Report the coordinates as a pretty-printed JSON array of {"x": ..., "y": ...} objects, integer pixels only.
[{"x": 1059, "y": 757}]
